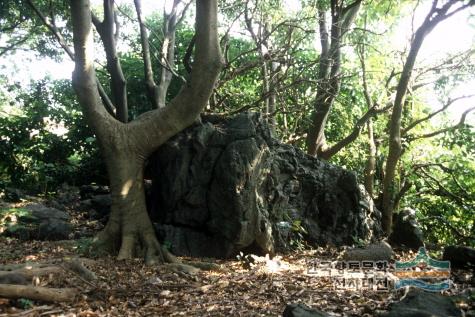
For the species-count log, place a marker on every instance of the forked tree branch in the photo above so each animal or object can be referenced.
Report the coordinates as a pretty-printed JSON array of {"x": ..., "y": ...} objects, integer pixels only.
[
  {"x": 449, "y": 103},
  {"x": 460, "y": 124},
  {"x": 328, "y": 152},
  {"x": 108, "y": 37},
  {"x": 435, "y": 16},
  {"x": 152, "y": 88},
  {"x": 183, "y": 110}
]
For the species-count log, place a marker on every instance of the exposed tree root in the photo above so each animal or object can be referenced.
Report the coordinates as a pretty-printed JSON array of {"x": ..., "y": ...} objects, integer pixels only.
[
  {"x": 29, "y": 273},
  {"x": 138, "y": 243},
  {"x": 106, "y": 241},
  {"x": 76, "y": 266},
  {"x": 206, "y": 266},
  {"x": 38, "y": 293}
]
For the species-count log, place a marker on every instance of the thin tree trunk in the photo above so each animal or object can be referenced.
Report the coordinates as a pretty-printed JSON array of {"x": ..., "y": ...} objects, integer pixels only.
[
  {"x": 370, "y": 167},
  {"x": 435, "y": 16},
  {"x": 109, "y": 39},
  {"x": 329, "y": 80},
  {"x": 265, "y": 87},
  {"x": 315, "y": 135},
  {"x": 152, "y": 88},
  {"x": 168, "y": 56},
  {"x": 261, "y": 39},
  {"x": 272, "y": 93}
]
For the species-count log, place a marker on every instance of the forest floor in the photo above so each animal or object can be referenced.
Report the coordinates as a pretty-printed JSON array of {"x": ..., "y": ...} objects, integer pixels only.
[{"x": 129, "y": 288}]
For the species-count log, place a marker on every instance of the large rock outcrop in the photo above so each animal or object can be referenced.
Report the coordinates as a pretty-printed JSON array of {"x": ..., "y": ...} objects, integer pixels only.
[
  {"x": 423, "y": 304},
  {"x": 226, "y": 185}
]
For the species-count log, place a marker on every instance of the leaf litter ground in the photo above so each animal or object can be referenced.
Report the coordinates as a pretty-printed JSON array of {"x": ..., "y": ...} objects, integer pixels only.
[{"x": 129, "y": 288}]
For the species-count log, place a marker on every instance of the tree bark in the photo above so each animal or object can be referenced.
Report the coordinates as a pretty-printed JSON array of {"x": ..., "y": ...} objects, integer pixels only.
[
  {"x": 157, "y": 93},
  {"x": 152, "y": 88},
  {"x": 268, "y": 66},
  {"x": 128, "y": 219},
  {"x": 29, "y": 273}
]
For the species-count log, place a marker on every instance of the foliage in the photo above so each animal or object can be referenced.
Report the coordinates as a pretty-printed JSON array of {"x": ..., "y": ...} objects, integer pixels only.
[
  {"x": 10, "y": 218},
  {"x": 296, "y": 236},
  {"x": 443, "y": 190},
  {"x": 84, "y": 246},
  {"x": 25, "y": 303},
  {"x": 46, "y": 141}
]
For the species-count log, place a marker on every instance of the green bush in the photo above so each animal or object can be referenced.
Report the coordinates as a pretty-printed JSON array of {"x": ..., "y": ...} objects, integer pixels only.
[{"x": 45, "y": 141}]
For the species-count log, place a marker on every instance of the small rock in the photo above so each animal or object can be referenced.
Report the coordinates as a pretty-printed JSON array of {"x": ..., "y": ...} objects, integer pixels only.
[
  {"x": 102, "y": 204},
  {"x": 87, "y": 191},
  {"x": 67, "y": 195},
  {"x": 223, "y": 284},
  {"x": 13, "y": 195},
  {"x": 42, "y": 212},
  {"x": 380, "y": 251},
  {"x": 205, "y": 288},
  {"x": 165, "y": 293},
  {"x": 301, "y": 310},
  {"x": 54, "y": 230},
  {"x": 406, "y": 230},
  {"x": 38, "y": 222}
]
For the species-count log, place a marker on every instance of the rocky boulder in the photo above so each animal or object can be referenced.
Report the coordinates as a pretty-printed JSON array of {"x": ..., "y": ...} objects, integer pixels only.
[
  {"x": 423, "y": 304},
  {"x": 38, "y": 222},
  {"x": 88, "y": 191},
  {"x": 460, "y": 257},
  {"x": 97, "y": 201},
  {"x": 301, "y": 310},
  {"x": 10, "y": 194},
  {"x": 406, "y": 230},
  {"x": 378, "y": 251},
  {"x": 226, "y": 185}
]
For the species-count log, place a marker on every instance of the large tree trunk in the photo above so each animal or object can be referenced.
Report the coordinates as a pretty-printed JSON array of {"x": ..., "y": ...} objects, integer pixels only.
[
  {"x": 315, "y": 135},
  {"x": 316, "y": 141},
  {"x": 108, "y": 30},
  {"x": 129, "y": 219},
  {"x": 125, "y": 146}
]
